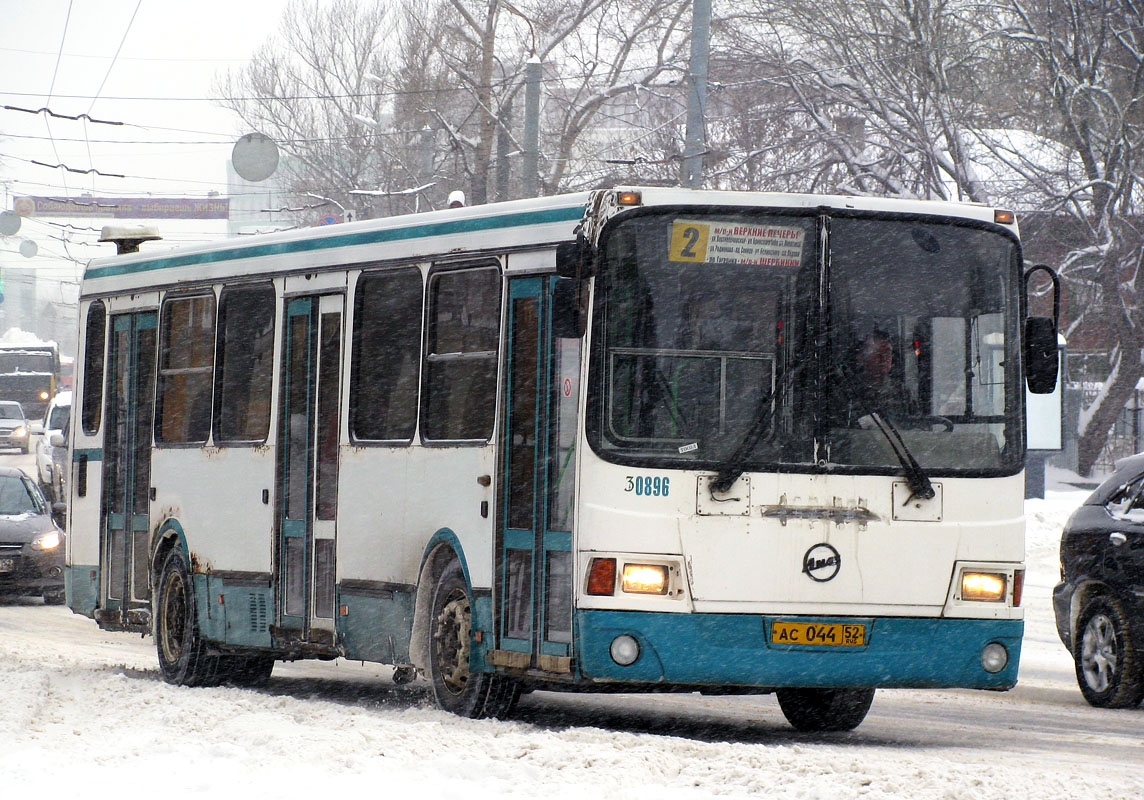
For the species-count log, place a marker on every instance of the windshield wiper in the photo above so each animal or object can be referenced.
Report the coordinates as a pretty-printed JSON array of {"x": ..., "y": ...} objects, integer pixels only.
[
  {"x": 916, "y": 477},
  {"x": 730, "y": 472}
]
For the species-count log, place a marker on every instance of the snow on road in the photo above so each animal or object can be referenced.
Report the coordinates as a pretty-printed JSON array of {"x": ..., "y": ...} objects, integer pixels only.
[{"x": 84, "y": 712}]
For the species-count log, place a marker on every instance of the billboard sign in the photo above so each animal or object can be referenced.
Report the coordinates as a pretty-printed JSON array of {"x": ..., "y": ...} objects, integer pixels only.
[{"x": 124, "y": 207}]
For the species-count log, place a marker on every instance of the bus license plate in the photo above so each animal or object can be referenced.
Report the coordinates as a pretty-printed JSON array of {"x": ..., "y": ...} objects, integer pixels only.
[
  {"x": 7, "y": 564},
  {"x": 821, "y": 634}
]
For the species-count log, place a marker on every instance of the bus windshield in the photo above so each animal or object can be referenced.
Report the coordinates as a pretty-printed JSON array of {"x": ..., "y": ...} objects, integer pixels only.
[{"x": 728, "y": 336}]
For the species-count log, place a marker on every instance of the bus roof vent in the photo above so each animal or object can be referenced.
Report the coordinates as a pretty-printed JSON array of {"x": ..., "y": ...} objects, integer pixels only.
[{"x": 127, "y": 238}]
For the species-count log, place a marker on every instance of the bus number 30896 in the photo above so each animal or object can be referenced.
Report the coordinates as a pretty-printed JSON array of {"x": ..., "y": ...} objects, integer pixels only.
[{"x": 647, "y": 486}]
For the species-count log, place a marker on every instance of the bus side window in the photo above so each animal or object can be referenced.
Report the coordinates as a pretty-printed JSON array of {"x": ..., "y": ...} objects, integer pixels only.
[
  {"x": 386, "y": 355},
  {"x": 186, "y": 370},
  {"x": 94, "y": 345},
  {"x": 245, "y": 350},
  {"x": 461, "y": 363}
]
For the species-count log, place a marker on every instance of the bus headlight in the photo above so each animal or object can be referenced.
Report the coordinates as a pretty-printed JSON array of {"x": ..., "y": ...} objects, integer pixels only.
[
  {"x": 645, "y": 579},
  {"x": 44, "y": 395},
  {"x": 986, "y": 587}
]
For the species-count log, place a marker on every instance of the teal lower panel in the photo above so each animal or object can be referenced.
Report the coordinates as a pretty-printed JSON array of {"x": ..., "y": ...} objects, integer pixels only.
[
  {"x": 376, "y": 628},
  {"x": 210, "y": 613},
  {"x": 236, "y": 614},
  {"x": 733, "y": 650},
  {"x": 81, "y": 582},
  {"x": 482, "y": 623}
]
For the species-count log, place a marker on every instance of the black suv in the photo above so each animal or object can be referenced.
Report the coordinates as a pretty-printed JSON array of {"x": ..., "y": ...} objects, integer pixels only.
[{"x": 1099, "y": 603}]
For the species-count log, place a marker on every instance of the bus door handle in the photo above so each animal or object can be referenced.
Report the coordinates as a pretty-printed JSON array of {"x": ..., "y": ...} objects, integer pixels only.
[{"x": 486, "y": 481}]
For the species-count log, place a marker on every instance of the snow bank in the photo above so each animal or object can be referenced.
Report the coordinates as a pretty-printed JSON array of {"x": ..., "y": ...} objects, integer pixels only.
[{"x": 22, "y": 337}]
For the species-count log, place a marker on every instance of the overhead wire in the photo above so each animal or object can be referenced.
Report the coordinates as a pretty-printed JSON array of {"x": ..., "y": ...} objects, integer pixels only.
[
  {"x": 55, "y": 74},
  {"x": 103, "y": 83}
]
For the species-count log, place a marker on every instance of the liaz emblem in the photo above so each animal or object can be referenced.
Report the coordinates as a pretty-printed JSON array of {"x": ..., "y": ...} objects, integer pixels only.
[{"x": 821, "y": 562}]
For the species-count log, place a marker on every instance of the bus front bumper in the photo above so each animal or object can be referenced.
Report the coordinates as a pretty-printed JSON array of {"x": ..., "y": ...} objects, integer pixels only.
[{"x": 736, "y": 650}]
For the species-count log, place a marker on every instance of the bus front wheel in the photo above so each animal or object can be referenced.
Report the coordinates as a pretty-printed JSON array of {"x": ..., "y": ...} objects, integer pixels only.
[
  {"x": 825, "y": 709},
  {"x": 183, "y": 657},
  {"x": 455, "y": 687}
]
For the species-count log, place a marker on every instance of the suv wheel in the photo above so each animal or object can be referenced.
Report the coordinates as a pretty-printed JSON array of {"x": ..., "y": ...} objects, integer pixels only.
[{"x": 1108, "y": 668}]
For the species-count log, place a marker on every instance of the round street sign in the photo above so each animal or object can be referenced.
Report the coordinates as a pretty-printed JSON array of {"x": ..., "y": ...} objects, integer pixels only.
[
  {"x": 255, "y": 157},
  {"x": 330, "y": 219},
  {"x": 9, "y": 223}
]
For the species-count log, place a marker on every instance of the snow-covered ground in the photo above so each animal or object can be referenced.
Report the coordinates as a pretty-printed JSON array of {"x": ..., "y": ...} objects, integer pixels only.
[{"x": 84, "y": 713}]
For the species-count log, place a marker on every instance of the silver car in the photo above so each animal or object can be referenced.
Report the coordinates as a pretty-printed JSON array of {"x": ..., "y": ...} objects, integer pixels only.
[
  {"x": 13, "y": 426},
  {"x": 55, "y": 418}
]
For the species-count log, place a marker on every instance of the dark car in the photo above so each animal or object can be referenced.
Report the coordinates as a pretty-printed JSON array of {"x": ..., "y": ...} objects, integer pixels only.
[
  {"x": 31, "y": 545},
  {"x": 1099, "y": 603}
]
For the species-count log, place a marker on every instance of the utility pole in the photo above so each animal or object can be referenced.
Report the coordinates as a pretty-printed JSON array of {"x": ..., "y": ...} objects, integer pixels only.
[
  {"x": 504, "y": 119},
  {"x": 691, "y": 169},
  {"x": 428, "y": 146},
  {"x": 531, "y": 161}
]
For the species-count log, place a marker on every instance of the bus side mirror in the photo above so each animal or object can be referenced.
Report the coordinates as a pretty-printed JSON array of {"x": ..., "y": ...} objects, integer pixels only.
[
  {"x": 1042, "y": 359},
  {"x": 569, "y": 316},
  {"x": 576, "y": 259}
]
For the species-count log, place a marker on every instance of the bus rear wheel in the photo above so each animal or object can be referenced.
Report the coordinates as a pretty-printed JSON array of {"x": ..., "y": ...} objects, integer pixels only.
[
  {"x": 825, "y": 709},
  {"x": 183, "y": 657},
  {"x": 455, "y": 688}
]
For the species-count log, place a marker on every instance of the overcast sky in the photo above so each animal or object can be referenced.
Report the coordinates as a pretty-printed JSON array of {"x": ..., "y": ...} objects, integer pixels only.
[{"x": 175, "y": 140}]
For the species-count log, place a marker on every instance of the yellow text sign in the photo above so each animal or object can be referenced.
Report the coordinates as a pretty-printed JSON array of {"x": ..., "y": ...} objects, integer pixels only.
[{"x": 689, "y": 241}]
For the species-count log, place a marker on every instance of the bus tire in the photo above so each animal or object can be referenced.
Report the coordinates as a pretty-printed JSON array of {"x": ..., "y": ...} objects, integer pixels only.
[
  {"x": 1108, "y": 667},
  {"x": 183, "y": 657},
  {"x": 455, "y": 689},
  {"x": 825, "y": 709}
]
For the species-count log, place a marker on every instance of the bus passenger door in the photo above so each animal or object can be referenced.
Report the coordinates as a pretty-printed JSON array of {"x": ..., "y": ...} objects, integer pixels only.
[
  {"x": 125, "y": 544},
  {"x": 534, "y": 564},
  {"x": 308, "y": 469}
]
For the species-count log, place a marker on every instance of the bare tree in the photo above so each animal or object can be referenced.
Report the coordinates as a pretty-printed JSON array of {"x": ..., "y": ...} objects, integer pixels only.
[
  {"x": 596, "y": 53},
  {"x": 1085, "y": 100},
  {"x": 874, "y": 97},
  {"x": 444, "y": 80},
  {"x": 618, "y": 88},
  {"x": 308, "y": 89}
]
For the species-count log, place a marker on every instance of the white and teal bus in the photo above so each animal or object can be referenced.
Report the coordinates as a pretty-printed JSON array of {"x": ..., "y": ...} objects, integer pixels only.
[{"x": 626, "y": 440}]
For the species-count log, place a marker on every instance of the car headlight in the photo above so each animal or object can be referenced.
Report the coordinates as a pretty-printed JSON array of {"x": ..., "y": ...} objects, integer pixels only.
[
  {"x": 19, "y": 431},
  {"x": 49, "y": 540}
]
